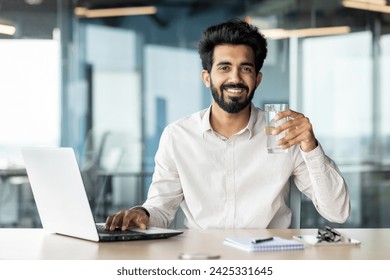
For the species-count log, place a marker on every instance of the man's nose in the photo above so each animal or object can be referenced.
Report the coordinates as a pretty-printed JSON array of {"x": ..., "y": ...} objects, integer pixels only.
[{"x": 235, "y": 76}]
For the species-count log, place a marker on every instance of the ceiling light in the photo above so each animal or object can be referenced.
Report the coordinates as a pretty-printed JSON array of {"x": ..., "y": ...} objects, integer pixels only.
[
  {"x": 7, "y": 29},
  {"x": 305, "y": 32},
  {"x": 114, "y": 12},
  {"x": 374, "y": 6}
]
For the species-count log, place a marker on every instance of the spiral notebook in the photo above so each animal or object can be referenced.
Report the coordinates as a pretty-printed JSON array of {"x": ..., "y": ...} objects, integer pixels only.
[{"x": 277, "y": 244}]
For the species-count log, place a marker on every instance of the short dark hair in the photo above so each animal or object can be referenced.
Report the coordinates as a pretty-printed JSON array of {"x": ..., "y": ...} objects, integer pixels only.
[{"x": 233, "y": 32}]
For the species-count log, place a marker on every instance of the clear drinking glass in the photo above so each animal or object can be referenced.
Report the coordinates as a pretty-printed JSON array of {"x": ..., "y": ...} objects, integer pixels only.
[{"x": 271, "y": 110}]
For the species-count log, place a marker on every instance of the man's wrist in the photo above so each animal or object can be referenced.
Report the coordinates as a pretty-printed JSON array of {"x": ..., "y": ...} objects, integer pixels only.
[
  {"x": 140, "y": 208},
  {"x": 310, "y": 146}
]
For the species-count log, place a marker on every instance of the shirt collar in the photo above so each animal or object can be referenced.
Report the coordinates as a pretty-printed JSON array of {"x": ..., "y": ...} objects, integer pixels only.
[
  {"x": 206, "y": 126},
  {"x": 252, "y": 121}
]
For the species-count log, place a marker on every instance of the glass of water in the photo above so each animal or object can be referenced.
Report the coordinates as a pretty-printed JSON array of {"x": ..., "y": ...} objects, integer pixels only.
[{"x": 271, "y": 110}]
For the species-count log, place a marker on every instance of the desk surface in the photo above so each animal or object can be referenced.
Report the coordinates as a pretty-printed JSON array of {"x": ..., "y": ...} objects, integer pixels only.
[{"x": 26, "y": 244}]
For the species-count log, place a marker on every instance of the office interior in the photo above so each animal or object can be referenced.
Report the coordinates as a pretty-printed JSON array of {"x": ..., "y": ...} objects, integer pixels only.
[{"x": 106, "y": 76}]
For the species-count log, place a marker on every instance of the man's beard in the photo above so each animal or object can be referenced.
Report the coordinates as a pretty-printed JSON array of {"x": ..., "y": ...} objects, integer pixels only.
[{"x": 234, "y": 105}]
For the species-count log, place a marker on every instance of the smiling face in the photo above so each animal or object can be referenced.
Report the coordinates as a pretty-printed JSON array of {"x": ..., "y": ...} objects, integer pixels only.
[{"x": 233, "y": 78}]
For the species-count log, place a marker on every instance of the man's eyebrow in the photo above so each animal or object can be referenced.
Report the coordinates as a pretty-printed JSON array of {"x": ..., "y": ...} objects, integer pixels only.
[
  {"x": 224, "y": 63},
  {"x": 242, "y": 64},
  {"x": 248, "y": 64}
]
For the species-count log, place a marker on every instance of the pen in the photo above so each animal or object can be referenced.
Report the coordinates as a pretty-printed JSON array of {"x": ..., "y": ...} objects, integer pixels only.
[{"x": 260, "y": 240}]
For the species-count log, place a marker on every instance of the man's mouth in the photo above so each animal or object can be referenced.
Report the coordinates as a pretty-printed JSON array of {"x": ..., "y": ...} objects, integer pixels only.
[{"x": 235, "y": 89}]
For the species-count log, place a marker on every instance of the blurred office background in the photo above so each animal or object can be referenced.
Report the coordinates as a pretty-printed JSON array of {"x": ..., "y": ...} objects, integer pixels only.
[{"x": 106, "y": 76}]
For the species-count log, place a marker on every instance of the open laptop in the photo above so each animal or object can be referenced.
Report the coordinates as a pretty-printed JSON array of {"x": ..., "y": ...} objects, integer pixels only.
[{"x": 62, "y": 201}]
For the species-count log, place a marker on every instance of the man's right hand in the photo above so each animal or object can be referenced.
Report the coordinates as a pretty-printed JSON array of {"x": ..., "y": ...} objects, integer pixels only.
[{"x": 127, "y": 218}]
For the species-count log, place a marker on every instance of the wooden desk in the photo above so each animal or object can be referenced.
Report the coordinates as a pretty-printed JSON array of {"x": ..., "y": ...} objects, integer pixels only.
[{"x": 27, "y": 244}]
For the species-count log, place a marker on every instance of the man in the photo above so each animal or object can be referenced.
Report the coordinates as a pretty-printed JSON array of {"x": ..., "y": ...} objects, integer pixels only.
[{"x": 214, "y": 164}]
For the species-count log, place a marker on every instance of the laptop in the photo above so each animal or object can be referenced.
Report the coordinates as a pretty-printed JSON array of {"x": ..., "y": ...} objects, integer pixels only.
[{"x": 62, "y": 201}]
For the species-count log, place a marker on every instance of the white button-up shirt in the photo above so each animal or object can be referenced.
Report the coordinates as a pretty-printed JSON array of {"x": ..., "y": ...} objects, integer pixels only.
[{"x": 234, "y": 182}]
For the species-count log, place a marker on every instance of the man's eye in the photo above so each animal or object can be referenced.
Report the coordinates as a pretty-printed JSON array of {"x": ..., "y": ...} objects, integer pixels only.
[
  {"x": 247, "y": 69},
  {"x": 224, "y": 68}
]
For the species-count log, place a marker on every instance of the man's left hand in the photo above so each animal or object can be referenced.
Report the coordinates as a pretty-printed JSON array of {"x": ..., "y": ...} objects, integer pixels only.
[{"x": 299, "y": 131}]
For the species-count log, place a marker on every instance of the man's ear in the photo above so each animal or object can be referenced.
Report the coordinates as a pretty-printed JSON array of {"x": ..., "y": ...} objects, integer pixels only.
[
  {"x": 259, "y": 77},
  {"x": 206, "y": 78}
]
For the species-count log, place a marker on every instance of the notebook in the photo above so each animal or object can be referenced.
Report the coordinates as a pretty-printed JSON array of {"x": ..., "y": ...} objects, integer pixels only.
[
  {"x": 277, "y": 244},
  {"x": 62, "y": 201}
]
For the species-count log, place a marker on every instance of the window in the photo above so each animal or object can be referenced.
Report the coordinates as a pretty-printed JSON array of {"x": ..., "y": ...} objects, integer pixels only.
[{"x": 30, "y": 111}]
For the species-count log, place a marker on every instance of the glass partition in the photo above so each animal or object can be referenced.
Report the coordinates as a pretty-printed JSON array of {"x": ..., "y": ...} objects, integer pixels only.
[
  {"x": 339, "y": 97},
  {"x": 132, "y": 75}
]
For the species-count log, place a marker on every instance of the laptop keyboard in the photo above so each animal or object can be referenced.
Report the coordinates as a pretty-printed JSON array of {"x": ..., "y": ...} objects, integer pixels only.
[{"x": 101, "y": 229}]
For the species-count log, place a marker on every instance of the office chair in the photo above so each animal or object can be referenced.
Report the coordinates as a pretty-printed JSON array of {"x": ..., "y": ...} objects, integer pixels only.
[{"x": 92, "y": 163}]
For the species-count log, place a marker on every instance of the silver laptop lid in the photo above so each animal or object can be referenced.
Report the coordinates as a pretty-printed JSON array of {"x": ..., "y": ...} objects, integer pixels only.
[{"x": 59, "y": 192}]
